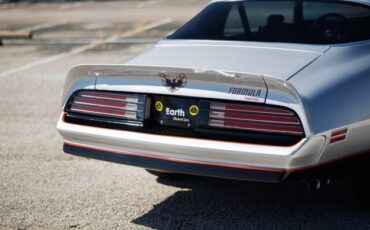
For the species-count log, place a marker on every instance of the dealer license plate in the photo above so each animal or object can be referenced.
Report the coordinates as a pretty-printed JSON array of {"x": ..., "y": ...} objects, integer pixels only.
[{"x": 176, "y": 112}]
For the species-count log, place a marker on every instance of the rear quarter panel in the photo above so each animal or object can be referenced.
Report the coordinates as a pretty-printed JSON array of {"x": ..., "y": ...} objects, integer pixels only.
[{"x": 335, "y": 91}]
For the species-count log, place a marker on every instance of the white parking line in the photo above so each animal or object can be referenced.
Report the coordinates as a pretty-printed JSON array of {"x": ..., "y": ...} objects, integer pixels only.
[
  {"x": 81, "y": 49},
  {"x": 81, "y": 41},
  {"x": 6, "y": 5},
  {"x": 148, "y": 3},
  {"x": 43, "y": 26},
  {"x": 69, "y": 6}
]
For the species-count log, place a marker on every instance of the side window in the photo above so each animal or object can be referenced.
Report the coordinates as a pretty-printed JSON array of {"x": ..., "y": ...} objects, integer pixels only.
[{"x": 233, "y": 24}]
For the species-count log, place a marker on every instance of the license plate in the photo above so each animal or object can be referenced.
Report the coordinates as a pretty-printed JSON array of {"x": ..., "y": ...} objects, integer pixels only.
[{"x": 176, "y": 112}]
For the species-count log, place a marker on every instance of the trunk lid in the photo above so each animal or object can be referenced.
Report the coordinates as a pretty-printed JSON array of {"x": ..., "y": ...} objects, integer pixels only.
[{"x": 265, "y": 59}]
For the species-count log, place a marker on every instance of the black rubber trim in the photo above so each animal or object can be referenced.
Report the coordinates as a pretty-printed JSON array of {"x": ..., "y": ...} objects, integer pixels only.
[{"x": 173, "y": 166}]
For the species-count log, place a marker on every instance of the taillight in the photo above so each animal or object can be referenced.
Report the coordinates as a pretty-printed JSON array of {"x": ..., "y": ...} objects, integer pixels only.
[
  {"x": 256, "y": 118},
  {"x": 109, "y": 105}
]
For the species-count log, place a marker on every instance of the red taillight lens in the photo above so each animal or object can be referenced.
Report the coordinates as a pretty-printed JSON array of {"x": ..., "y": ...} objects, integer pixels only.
[
  {"x": 110, "y": 96},
  {"x": 254, "y": 118},
  {"x": 107, "y": 104},
  {"x": 249, "y": 109}
]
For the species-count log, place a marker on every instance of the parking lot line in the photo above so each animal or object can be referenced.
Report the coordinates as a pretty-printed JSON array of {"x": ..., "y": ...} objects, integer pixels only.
[
  {"x": 78, "y": 41},
  {"x": 69, "y": 6},
  {"x": 94, "y": 44},
  {"x": 148, "y": 3},
  {"x": 43, "y": 26}
]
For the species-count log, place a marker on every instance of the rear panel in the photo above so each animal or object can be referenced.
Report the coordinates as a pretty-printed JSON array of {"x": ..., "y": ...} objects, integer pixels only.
[{"x": 189, "y": 103}]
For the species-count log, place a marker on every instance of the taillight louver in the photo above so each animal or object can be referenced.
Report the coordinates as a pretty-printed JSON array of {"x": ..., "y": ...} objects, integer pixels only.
[
  {"x": 338, "y": 135},
  {"x": 108, "y": 104},
  {"x": 255, "y": 118}
]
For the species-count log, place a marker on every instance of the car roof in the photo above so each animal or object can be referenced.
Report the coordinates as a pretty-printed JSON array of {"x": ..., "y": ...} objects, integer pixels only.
[{"x": 365, "y": 2}]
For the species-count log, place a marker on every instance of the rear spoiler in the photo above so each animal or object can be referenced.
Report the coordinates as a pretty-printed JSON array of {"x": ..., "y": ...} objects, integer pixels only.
[{"x": 167, "y": 81}]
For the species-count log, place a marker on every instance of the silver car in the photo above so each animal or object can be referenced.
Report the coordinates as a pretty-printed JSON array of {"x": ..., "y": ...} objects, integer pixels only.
[{"x": 252, "y": 90}]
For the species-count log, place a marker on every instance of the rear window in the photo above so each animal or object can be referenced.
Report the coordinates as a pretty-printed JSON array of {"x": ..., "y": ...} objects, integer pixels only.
[{"x": 313, "y": 22}]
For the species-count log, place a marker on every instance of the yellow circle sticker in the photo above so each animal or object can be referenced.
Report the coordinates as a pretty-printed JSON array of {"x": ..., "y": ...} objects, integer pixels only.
[
  {"x": 159, "y": 106},
  {"x": 194, "y": 110}
]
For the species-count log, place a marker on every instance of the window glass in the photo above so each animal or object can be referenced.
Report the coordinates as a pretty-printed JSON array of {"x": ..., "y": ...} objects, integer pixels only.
[
  {"x": 259, "y": 13},
  {"x": 289, "y": 21},
  {"x": 233, "y": 25},
  {"x": 208, "y": 24},
  {"x": 314, "y": 10}
]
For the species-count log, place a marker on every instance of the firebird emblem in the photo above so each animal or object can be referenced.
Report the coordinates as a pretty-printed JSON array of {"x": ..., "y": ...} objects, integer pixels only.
[{"x": 173, "y": 84}]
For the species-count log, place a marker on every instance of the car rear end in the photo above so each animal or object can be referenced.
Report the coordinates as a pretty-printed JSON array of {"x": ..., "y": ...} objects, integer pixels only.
[{"x": 211, "y": 123}]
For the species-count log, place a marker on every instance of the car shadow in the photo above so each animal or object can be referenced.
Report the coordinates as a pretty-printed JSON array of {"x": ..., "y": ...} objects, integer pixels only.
[{"x": 204, "y": 203}]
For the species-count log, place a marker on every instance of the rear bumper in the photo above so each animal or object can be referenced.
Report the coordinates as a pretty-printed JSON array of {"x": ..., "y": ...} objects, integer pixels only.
[
  {"x": 179, "y": 166},
  {"x": 191, "y": 156}
]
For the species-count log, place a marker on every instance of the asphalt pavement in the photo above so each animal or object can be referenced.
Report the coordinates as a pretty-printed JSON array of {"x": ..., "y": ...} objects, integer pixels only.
[{"x": 43, "y": 188}]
